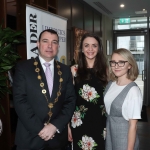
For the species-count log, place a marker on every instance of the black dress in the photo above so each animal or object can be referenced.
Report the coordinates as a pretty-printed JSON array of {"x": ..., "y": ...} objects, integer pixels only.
[{"x": 89, "y": 121}]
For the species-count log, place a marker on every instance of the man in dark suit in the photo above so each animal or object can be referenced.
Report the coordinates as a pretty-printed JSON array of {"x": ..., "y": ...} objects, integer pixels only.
[{"x": 43, "y": 114}]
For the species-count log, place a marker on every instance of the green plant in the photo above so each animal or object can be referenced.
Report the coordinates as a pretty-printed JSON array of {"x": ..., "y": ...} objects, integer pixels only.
[{"x": 8, "y": 56}]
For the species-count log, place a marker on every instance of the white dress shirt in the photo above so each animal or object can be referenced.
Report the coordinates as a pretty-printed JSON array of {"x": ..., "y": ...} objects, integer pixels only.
[{"x": 51, "y": 66}]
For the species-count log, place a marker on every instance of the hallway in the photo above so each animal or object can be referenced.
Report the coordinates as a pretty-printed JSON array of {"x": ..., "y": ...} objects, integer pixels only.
[{"x": 144, "y": 132}]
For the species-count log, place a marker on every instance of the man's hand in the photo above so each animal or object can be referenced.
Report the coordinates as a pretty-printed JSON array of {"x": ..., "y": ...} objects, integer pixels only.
[{"x": 48, "y": 132}]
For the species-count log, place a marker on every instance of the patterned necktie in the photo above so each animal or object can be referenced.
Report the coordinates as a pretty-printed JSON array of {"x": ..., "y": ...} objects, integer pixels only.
[{"x": 49, "y": 77}]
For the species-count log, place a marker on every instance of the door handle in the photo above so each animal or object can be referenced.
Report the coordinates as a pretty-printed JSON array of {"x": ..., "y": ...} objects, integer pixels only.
[{"x": 142, "y": 75}]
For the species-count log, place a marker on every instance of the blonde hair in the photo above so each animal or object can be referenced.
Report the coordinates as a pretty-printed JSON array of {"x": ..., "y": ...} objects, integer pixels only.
[{"x": 126, "y": 54}]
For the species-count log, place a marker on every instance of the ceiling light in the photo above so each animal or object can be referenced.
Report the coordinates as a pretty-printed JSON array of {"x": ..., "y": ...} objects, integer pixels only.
[
  {"x": 122, "y": 5},
  {"x": 143, "y": 9}
]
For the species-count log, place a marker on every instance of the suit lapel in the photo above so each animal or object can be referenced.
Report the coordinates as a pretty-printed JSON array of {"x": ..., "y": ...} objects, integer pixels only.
[{"x": 55, "y": 83}]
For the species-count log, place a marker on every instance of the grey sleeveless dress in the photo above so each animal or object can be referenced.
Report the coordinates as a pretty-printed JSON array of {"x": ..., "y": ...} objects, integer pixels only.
[{"x": 117, "y": 127}]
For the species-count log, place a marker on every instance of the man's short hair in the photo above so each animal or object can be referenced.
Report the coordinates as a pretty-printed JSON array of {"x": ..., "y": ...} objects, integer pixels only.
[{"x": 50, "y": 31}]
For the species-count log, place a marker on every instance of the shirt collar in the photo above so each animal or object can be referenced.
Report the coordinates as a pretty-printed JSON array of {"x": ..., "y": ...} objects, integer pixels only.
[{"x": 43, "y": 61}]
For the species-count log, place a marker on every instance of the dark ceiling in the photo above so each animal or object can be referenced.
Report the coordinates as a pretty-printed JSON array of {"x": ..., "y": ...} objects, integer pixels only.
[{"x": 112, "y": 8}]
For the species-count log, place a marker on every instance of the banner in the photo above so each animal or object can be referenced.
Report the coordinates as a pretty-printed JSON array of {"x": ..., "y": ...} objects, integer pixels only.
[{"x": 38, "y": 20}]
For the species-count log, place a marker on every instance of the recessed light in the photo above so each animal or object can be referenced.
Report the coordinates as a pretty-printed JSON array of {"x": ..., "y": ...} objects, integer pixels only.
[{"x": 122, "y": 5}]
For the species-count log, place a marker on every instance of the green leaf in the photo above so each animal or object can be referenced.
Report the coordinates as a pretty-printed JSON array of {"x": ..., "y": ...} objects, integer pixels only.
[
  {"x": 6, "y": 67},
  {"x": 3, "y": 83},
  {"x": 77, "y": 108},
  {"x": 2, "y": 108},
  {"x": 8, "y": 55},
  {"x": 3, "y": 77}
]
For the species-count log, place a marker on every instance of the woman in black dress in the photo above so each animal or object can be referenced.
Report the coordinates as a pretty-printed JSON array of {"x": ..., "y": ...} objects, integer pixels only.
[{"x": 89, "y": 121}]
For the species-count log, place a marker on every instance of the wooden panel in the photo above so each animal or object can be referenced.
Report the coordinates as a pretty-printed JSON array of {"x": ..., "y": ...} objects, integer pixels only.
[
  {"x": 3, "y": 12},
  {"x": 22, "y": 51},
  {"x": 11, "y": 22},
  {"x": 21, "y": 14},
  {"x": 101, "y": 25},
  {"x": 52, "y": 6},
  {"x": 77, "y": 14},
  {"x": 21, "y": 25},
  {"x": 52, "y": 10},
  {"x": 88, "y": 18},
  {"x": 69, "y": 50},
  {"x": 53, "y": 3},
  {"x": 97, "y": 23},
  {"x": 64, "y": 10},
  {"x": 40, "y": 4},
  {"x": 72, "y": 45}
]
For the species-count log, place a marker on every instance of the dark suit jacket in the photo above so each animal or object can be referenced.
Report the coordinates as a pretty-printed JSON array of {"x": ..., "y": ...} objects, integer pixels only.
[{"x": 32, "y": 108}]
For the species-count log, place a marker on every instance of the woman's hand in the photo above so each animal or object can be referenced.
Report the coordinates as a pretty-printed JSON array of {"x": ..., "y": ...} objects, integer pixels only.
[
  {"x": 70, "y": 139},
  {"x": 74, "y": 69},
  {"x": 132, "y": 133}
]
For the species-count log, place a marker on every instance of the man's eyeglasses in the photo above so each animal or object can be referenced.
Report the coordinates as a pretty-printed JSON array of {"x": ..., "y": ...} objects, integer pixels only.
[{"x": 120, "y": 63}]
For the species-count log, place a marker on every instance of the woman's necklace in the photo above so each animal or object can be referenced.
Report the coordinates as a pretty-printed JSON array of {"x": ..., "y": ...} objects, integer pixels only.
[{"x": 51, "y": 104}]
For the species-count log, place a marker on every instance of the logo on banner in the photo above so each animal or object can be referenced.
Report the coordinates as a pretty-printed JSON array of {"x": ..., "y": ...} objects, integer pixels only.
[
  {"x": 33, "y": 32},
  {"x": 63, "y": 59}
]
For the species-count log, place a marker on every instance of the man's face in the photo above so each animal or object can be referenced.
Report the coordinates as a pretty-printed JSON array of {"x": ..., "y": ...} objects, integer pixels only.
[{"x": 48, "y": 46}]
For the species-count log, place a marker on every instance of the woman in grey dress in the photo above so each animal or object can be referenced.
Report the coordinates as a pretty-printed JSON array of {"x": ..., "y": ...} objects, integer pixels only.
[{"x": 123, "y": 102}]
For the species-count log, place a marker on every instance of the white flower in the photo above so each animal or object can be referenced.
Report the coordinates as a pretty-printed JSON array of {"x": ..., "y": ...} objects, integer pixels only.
[
  {"x": 92, "y": 94},
  {"x": 85, "y": 95},
  {"x": 88, "y": 93},
  {"x": 76, "y": 119},
  {"x": 87, "y": 143},
  {"x": 86, "y": 87}
]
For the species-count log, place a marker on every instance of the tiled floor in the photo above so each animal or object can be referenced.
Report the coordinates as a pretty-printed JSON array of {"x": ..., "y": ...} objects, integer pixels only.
[{"x": 144, "y": 132}]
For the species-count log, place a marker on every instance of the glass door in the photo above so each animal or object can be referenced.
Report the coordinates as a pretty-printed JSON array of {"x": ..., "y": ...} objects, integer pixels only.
[{"x": 136, "y": 45}]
